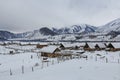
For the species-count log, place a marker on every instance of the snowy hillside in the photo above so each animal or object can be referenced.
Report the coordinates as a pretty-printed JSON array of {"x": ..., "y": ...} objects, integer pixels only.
[{"x": 111, "y": 26}]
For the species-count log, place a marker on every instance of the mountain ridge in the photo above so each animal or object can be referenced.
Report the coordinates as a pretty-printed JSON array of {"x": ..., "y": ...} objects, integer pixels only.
[{"x": 110, "y": 29}]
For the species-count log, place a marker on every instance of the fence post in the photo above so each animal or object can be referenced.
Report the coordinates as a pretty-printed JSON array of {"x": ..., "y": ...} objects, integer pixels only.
[
  {"x": 32, "y": 69},
  {"x": 52, "y": 62},
  {"x": 31, "y": 56},
  {"x": 10, "y": 72},
  {"x": 86, "y": 57},
  {"x": 58, "y": 59},
  {"x": 118, "y": 61},
  {"x": 106, "y": 60},
  {"x": 79, "y": 56},
  {"x": 22, "y": 69},
  {"x": 47, "y": 63},
  {"x": 71, "y": 57},
  {"x": 63, "y": 59},
  {"x": 38, "y": 55},
  {"x": 96, "y": 58},
  {"x": 42, "y": 65}
]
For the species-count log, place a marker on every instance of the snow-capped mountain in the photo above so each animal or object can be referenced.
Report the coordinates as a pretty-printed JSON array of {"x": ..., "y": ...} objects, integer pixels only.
[
  {"x": 111, "y": 26},
  {"x": 83, "y": 28},
  {"x": 82, "y": 31},
  {"x": 37, "y": 34},
  {"x": 6, "y": 35},
  {"x": 44, "y": 31}
]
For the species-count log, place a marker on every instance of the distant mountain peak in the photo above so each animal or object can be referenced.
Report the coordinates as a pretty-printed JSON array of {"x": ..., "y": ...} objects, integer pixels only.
[{"x": 76, "y": 29}]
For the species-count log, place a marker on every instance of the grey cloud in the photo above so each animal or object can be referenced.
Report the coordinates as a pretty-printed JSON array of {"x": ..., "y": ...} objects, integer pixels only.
[{"x": 26, "y": 15}]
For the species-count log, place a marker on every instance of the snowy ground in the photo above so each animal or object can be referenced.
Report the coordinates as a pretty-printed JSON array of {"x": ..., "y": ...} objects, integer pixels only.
[{"x": 100, "y": 65}]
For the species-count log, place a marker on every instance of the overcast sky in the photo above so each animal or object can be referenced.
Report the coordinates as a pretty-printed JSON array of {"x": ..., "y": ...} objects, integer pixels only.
[{"x": 27, "y": 15}]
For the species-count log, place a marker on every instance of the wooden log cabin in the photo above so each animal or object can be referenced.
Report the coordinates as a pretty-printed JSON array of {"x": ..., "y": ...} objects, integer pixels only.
[
  {"x": 70, "y": 46},
  {"x": 113, "y": 47},
  {"x": 50, "y": 51},
  {"x": 100, "y": 46},
  {"x": 89, "y": 47},
  {"x": 66, "y": 46}
]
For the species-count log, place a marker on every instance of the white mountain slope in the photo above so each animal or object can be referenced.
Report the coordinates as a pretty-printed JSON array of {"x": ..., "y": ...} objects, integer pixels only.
[
  {"x": 82, "y": 28},
  {"x": 111, "y": 26}
]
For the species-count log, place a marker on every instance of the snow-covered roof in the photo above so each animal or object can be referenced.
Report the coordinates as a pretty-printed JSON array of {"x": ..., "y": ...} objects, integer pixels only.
[
  {"x": 91, "y": 45},
  {"x": 68, "y": 45},
  {"x": 116, "y": 45},
  {"x": 81, "y": 44},
  {"x": 101, "y": 45},
  {"x": 43, "y": 43},
  {"x": 73, "y": 44},
  {"x": 49, "y": 49}
]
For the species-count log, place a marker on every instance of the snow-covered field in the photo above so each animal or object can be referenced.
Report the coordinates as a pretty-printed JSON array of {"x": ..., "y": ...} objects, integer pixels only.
[{"x": 28, "y": 65}]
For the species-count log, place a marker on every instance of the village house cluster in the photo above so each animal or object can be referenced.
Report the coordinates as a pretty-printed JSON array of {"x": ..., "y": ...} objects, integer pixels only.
[
  {"x": 50, "y": 49},
  {"x": 55, "y": 50}
]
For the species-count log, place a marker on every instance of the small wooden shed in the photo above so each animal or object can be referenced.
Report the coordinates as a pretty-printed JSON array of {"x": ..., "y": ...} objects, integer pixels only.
[
  {"x": 41, "y": 45},
  {"x": 70, "y": 46}
]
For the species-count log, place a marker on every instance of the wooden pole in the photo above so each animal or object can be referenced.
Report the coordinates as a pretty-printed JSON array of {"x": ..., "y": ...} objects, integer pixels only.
[
  {"x": 86, "y": 57},
  {"x": 10, "y": 72},
  {"x": 31, "y": 56},
  {"x": 32, "y": 69},
  {"x": 58, "y": 60},
  {"x": 118, "y": 61},
  {"x": 96, "y": 58},
  {"x": 22, "y": 69},
  {"x": 52, "y": 62},
  {"x": 47, "y": 63},
  {"x": 42, "y": 66},
  {"x": 106, "y": 60}
]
